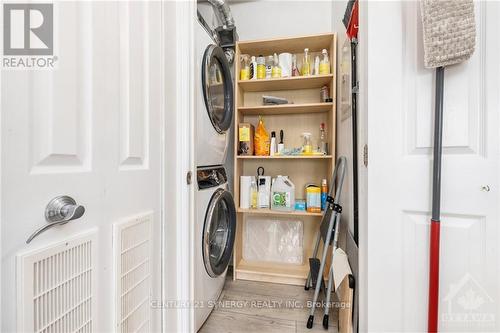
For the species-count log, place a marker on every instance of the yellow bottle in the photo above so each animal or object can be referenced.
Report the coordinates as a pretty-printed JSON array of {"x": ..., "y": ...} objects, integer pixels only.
[
  {"x": 306, "y": 64},
  {"x": 245, "y": 68},
  {"x": 254, "y": 195},
  {"x": 324, "y": 65},
  {"x": 261, "y": 67},
  {"x": 276, "y": 71}
]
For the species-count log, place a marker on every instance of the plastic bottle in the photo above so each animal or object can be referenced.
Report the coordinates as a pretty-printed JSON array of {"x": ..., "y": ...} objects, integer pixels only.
[
  {"x": 295, "y": 69},
  {"x": 276, "y": 71},
  {"x": 245, "y": 67},
  {"x": 283, "y": 194},
  {"x": 306, "y": 64},
  {"x": 269, "y": 66},
  {"x": 316, "y": 65},
  {"x": 307, "y": 147},
  {"x": 253, "y": 69},
  {"x": 273, "y": 148},
  {"x": 322, "y": 147},
  {"x": 324, "y": 66},
  {"x": 254, "y": 194},
  {"x": 261, "y": 67},
  {"x": 324, "y": 193}
]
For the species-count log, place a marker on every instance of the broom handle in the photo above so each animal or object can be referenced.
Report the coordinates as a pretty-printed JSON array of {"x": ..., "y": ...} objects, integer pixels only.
[{"x": 436, "y": 205}]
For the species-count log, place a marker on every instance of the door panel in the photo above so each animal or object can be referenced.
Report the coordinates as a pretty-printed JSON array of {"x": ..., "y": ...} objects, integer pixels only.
[
  {"x": 401, "y": 92},
  {"x": 60, "y": 124},
  {"x": 134, "y": 85},
  {"x": 90, "y": 129}
]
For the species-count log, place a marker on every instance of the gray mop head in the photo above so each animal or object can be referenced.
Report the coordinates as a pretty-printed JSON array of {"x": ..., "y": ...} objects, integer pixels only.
[{"x": 449, "y": 31}]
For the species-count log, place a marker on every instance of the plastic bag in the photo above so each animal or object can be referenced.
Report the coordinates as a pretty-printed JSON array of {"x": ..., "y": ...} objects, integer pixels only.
[
  {"x": 273, "y": 240},
  {"x": 261, "y": 139}
]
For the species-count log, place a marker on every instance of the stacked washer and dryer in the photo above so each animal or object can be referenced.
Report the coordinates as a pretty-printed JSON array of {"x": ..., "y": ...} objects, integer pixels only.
[{"x": 215, "y": 219}]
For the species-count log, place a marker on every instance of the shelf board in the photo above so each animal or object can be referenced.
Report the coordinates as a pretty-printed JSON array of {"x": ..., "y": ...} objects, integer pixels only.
[
  {"x": 272, "y": 272},
  {"x": 285, "y": 157},
  {"x": 286, "y": 109},
  {"x": 288, "y": 83},
  {"x": 264, "y": 211}
]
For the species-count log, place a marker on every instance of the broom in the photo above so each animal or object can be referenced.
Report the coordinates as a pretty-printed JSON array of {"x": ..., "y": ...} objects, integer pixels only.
[{"x": 449, "y": 38}]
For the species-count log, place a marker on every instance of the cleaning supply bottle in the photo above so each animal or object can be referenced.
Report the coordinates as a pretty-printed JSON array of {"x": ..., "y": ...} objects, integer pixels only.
[
  {"x": 269, "y": 66},
  {"x": 324, "y": 193},
  {"x": 245, "y": 67},
  {"x": 253, "y": 69},
  {"x": 276, "y": 71},
  {"x": 316, "y": 65},
  {"x": 281, "y": 145},
  {"x": 322, "y": 146},
  {"x": 295, "y": 69},
  {"x": 261, "y": 67},
  {"x": 324, "y": 66},
  {"x": 306, "y": 64},
  {"x": 254, "y": 194},
  {"x": 273, "y": 148},
  {"x": 283, "y": 194}
]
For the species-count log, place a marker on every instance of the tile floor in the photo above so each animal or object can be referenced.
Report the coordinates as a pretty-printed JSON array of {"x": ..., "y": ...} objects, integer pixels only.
[{"x": 246, "y": 306}]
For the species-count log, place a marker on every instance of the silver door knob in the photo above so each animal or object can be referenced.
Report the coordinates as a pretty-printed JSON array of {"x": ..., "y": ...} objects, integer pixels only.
[{"x": 59, "y": 211}]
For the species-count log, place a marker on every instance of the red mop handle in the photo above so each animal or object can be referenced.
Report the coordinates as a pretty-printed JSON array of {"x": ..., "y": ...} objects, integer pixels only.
[{"x": 434, "y": 277}]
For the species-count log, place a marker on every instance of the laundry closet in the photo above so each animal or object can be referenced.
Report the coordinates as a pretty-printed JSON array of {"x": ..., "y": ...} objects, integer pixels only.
[{"x": 265, "y": 179}]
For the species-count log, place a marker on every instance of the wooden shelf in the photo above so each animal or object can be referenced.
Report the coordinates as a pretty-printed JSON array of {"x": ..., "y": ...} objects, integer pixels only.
[
  {"x": 286, "y": 109},
  {"x": 285, "y": 157},
  {"x": 272, "y": 272},
  {"x": 305, "y": 115},
  {"x": 289, "y": 83},
  {"x": 276, "y": 212}
]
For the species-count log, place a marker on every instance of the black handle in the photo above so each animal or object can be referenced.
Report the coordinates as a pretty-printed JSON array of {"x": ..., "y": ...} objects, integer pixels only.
[{"x": 281, "y": 136}]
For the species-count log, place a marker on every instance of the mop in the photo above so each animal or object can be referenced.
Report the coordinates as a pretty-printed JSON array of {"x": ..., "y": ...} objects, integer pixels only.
[
  {"x": 329, "y": 227},
  {"x": 449, "y": 38}
]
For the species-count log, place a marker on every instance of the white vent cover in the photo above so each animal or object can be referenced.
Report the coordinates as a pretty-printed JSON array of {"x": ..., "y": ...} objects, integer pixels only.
[
  {"x": 132, "y": 256},
  {"x": 55, "y": 287}
]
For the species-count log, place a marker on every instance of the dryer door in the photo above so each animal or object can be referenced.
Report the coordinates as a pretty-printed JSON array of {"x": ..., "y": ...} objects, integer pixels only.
[
  {"x": 217, "y": 88},
  {"x": 219, "y": 232}
]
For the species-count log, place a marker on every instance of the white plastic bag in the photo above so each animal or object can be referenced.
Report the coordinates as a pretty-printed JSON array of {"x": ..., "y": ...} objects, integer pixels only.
[{"x": 273, "y": 240}]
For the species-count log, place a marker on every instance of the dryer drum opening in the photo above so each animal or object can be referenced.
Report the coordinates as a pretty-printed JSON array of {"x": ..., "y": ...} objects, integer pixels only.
[{"x": 217, "y": 88}]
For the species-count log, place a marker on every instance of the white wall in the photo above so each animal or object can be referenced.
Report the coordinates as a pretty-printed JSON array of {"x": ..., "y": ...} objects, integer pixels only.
[{"x": 268, "y": 19}]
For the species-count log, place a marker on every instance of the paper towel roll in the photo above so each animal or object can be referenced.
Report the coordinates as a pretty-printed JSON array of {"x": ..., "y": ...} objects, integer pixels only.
[
  {"x": 285, "y": 60},
  {"x": 245, "y": 185}
]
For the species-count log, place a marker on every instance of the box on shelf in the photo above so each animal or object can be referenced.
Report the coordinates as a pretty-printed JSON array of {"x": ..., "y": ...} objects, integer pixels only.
[{"x": 246, "y": 132}]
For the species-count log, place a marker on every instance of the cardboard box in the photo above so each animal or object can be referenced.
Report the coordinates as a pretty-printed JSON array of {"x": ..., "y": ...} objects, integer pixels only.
[{"x": 246, "y": 133}]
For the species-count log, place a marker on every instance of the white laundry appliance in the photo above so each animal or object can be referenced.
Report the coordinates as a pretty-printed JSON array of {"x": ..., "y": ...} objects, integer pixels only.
[
  {"x": 214, "y": 98},
  {"x": 215, "y": 229}
]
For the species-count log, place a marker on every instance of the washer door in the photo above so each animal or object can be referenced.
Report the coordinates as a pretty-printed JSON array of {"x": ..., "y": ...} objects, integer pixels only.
[
  {"x": 217, "y": 88},
  {"x": 218, "y": 232}
]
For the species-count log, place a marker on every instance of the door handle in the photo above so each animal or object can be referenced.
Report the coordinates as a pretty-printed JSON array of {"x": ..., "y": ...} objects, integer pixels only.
[{"x": 59, "y": 211}]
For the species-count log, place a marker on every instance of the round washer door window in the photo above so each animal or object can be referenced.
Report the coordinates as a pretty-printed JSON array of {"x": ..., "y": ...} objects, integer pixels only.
[
  {"x": 217, "y": 88},
  {"x": 219, "y": 232}
]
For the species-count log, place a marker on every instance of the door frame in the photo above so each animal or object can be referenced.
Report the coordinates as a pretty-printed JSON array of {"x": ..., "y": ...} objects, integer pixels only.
[{"x": 178, "y": 18}]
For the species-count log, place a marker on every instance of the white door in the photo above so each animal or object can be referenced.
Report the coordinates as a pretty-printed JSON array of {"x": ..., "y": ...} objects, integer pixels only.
[
  {"x": 89, "y": 129},
  {"x": 400, "y": 110}
]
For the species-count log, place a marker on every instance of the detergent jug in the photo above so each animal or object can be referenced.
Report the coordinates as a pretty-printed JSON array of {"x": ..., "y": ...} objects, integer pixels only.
[{"x": 283, "y": 194}]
